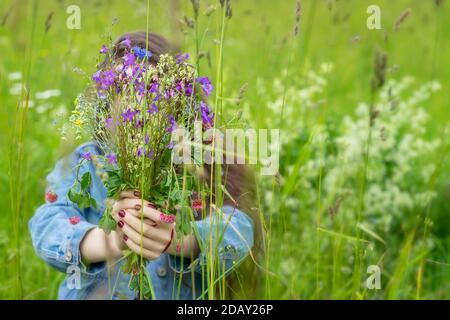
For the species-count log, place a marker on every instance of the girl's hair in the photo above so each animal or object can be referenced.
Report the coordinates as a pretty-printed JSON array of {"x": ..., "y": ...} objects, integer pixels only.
[
  {"x": 153, "y": 42},
  {"x": 238, "y": 179}
]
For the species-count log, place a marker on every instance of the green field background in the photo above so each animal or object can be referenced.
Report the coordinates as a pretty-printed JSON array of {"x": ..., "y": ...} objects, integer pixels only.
[{"x": 259, "y": 43}]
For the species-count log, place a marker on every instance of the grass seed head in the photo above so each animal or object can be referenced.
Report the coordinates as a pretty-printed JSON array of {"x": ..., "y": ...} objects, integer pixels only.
[
  {"x": 405, "y": 14},
  {"x": 195, "y": 7},
  {"x": 380, "y": 66},
  {"x": 48, "y": 21},
  {"x": 242, "y": 92},
  {"x": 298, "y": 9},
  {"x": 228, "y": 9},
  {"x": 189, "y": 22},
  {"x": 209, "y": 10}
]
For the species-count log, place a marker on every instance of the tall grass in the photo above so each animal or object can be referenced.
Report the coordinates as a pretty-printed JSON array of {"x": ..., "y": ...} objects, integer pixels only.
[
  {"x": 308, "y": 249},
  {"x": 17, "y": 156}
]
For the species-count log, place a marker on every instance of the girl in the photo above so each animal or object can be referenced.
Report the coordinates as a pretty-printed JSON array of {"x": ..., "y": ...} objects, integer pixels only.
[{"x": 70, "y": 240}]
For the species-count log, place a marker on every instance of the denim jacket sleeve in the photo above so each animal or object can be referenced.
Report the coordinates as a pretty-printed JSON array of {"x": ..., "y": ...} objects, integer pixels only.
[
  {"x": 228, "y": 232},
  {"x": 58, "y": 227}
]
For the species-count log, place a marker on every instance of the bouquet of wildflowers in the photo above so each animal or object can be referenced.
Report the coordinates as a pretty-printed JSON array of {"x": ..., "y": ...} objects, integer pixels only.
[{"x": 136, "y": 107}]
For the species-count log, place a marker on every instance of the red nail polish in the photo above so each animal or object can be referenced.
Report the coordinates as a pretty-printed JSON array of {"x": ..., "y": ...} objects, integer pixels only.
[
  {"x": 167, "y": 218},
  {"x": 137, "y": 207},
  {"x": 122, "y": 213},
  {"x": 151, "y": 205},
  {"x": 137, "y": 194},
  {"x": 120, "y": 224},
  {"x": 125, "y": 237}
]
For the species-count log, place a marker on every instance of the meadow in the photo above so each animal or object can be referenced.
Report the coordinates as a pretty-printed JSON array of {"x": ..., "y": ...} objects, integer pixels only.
[{"x": 364, "y": 171}]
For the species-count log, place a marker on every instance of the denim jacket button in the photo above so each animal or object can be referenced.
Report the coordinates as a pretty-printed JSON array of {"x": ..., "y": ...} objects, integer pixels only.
[
  {"x": 68, "y": 255},
  {"x": 161, "y": 271}
]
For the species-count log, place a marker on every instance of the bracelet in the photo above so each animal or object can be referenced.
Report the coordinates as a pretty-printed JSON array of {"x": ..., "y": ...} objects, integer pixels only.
[{"x": 170, "y": 242}]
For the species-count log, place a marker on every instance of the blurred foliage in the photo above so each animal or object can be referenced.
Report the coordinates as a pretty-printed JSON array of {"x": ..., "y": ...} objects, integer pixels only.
[{"x": 38, "y": 51}]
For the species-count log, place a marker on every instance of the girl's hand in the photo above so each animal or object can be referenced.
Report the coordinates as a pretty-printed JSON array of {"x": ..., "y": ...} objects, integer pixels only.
[
  {"x": 97, "y": 246},
  {"x": 115, "y": 239},
  {"x": 148, "y": 237}
]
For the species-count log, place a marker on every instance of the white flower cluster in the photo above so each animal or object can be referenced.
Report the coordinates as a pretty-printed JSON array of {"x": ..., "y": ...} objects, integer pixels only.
[
  {"x": 296, "y": 100},
  {"x": 399, "y": 157}
]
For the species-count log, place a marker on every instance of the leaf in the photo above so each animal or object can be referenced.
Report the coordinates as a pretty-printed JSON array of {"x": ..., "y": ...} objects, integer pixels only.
[
  {"x": 86, "y": 181},
  {"x": 175, "y": 196},
  {"x": 182, "y": 223},
  {"x": 134, "y": 283},
  {"x": 127, "y": 267},
  {"x": 135, "y": 286},
  {"x": 146, "y": 286},
  {"x": 370, "y": 232},
  {"x": 77, "y": 198},
  {"x": 124, "y": 186},
  {"x": 73, "y": 196},
  {"x": 113, "y": 184},
  {"x": 82, "y": 202},
  {"x": 340, "y": 235},
  {"x": 186, "y": 228},
  {"x": 87, "y": 202},
  {"x": 93, "y": 203},
  {"x": 82, "y": 199},
  {"x": 168, "y": 180},
  {"x": 107, "y": 223}
]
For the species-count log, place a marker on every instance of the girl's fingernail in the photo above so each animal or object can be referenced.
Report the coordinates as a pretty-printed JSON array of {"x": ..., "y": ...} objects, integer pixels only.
[
  {"x": 137, "y": 194},
  {"x": 151, "y": 205},
  {"x": 125, "y": 237},
  {"x": 122, "y": 213},
  {"x": 137, "y": 207},
  {"x": 120, "y": 224},
  {"x": 167, "y": 218}
]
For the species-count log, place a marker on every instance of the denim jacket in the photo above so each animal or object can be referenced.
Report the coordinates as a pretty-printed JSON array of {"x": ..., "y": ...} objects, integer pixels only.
[{"x": 58, "y": 227}]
